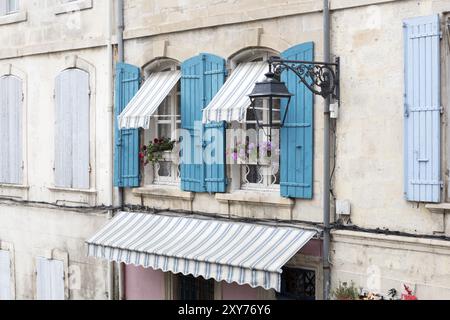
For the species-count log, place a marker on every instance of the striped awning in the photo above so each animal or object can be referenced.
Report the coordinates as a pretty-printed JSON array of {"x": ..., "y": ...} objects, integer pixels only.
[
  {"x": 228, "y": 251},
  {"x": 232, "y": 101},
  {"x": 147, "y": 100}
]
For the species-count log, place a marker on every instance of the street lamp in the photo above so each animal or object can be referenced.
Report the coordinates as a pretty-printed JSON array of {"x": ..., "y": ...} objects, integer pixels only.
[{"x": 321, "y": 78}]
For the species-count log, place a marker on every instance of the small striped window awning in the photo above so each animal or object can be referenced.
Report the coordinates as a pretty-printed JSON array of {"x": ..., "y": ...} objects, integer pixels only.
[
  {"x": 245, "y": 253},
  {"x": 144, "y": 104},
  {"x": 232, "y": 101}
]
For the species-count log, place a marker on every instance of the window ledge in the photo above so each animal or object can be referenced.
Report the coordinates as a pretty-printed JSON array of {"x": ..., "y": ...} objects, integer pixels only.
[
  {"x": 14, "y": 186},
  {"x": 439, "y": 208},
  {"x": 269, "y": 198},
  {"x": 86, "y": 191},
  {"x": 13, "y": 18},
  {"x": 73, "y": 6},
  {"x": 164, "y": 192}
]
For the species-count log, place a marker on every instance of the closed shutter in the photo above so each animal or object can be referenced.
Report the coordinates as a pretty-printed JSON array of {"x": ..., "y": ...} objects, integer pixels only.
[
  {"x": 297, "y": 134},
  {"x": 72, "y": 129},
  {"x": 126, "y": 154},
  {"x": 202, "y": 77},
  {"x": 214, "y": 133},
  {"x": 422, "y": 110},
  {"x": 12, "y": 6},
  {"x": 11, "y": 130},
  {"x": 192, "y": 91},
  {"x": 50, "y": 279},
  {"x": 2, "y": 7},
  {"x": 5, "y": 275}
]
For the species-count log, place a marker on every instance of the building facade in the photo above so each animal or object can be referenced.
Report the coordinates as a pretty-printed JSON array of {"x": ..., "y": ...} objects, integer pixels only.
[{"x": 389, "y": 145}]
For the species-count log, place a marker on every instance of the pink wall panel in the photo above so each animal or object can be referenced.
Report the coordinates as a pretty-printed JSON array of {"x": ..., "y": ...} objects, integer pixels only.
[
  {"x": 143, "y": 283},
  {"x": 234, "y": 291}
]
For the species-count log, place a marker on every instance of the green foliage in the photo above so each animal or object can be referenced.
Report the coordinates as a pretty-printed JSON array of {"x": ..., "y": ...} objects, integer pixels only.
[
  {"x": 345, "y": 292},
  {"x": 154, "y": 150}
]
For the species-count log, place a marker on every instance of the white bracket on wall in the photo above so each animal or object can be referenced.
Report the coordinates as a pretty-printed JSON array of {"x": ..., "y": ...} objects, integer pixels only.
[{"x": 334, "y": 110}]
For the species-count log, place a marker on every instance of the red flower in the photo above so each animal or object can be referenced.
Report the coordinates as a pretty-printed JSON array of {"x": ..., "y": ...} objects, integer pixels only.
[
  {"x": 155, "y": 141},
  {"x": 144, "y": 147},
  {"x": 141, "y": 155}
]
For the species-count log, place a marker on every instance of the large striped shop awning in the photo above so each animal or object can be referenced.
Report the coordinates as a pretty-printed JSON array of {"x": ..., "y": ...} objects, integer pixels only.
[
  {"x": 223, "y": 250},
  {"x": 144, "y": 104},
  {"x": 232, "y": 101}
]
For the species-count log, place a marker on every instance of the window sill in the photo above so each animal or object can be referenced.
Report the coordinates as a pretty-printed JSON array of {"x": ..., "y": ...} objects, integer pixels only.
[
  {"x": 73, "y": 6},
  {"x": 439, "y": 208},
  {"x": 86, "y": 191},
  {"x": 13, "y": 18},
  {"x": 165, "y": 191},
  {"x": 14, "y": 186},
  {"x": 255, "y": 197}
]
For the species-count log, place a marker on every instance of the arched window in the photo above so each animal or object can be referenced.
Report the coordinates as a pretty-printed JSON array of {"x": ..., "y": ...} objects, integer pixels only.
[
  {"x": 72, "y": 129},
  {"x": 260, "y": 170},
  {"x": 11, "y": 103},
  {"x": 164, "y": 125}
]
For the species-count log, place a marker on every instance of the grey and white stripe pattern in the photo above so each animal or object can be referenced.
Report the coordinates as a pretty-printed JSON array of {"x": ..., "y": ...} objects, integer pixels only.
[
  {"x": 232, "y": 101},
  {"x": 245, "y": 253},
  {"x": 147, "y": 100}
]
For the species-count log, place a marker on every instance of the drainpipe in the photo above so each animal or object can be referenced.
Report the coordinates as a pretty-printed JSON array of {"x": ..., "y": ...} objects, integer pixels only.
[
  {"x": 110, "y": 130},
  {"x": 120, "y": 47},
  {"x": 326, "y": 161}
]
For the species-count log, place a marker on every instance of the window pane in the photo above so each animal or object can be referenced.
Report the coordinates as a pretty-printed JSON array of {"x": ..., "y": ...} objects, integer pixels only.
[
  {"x": 297, "y": 284},
  {"x": 164, "y": 130}
]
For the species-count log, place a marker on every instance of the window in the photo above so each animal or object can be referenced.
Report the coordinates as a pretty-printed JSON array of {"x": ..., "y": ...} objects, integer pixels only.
[
  {"x": 11, "y": 130},
  {"x": 260, "y": 170},
  {"x": 164, "y": 125},
  {"x": 72, "y": 166},
  {"x": 191, "y": 288},
  {"x": 297, "y": 284},
  {"x": 49, "y": 279},
  {"x": 5, "y": 275},
  {"x": 8, "y": 7}
]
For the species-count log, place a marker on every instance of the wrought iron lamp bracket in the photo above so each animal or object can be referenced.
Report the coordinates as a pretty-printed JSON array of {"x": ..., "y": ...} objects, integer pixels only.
[{"x": 321, "y": 78}]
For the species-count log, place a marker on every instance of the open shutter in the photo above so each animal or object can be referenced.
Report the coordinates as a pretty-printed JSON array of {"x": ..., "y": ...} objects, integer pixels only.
[
  {"x": 5, "y": 275},
  {"x": 50, "y": 279},
  {"x": 422, "y": 110},
  {"x": 192, "y": 173},
  {"x": 297, "y": 134},
  {"x": 11, "y": 130},
  {"x": 126, "y": 153},
  {"x": 214, "y": 133}
]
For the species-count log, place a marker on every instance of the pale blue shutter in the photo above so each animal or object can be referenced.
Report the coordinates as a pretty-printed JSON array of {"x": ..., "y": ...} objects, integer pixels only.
[
  {"x": 214, "y": 133},
  {"x": 422, "y": 109},
  {"x": 297, "y": 134},
  {"x": 126, "y": 152},
  {"x": 11, "y": 130},
  {"x": 72, "y": 129},
  {"x": 192, "y": 91},
  {"x": 5, "y": 275}
]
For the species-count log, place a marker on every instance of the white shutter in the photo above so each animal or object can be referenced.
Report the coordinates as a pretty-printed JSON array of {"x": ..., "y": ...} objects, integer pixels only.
[
  {"x": 72, "y": 129},
  {"x": 11, "y": 130},
  {"x": 80, "y": 135},
  {"x": 5, "y": 275},
  {"x": 12, "y": 6},
  {"x": 49, "y": 279}
]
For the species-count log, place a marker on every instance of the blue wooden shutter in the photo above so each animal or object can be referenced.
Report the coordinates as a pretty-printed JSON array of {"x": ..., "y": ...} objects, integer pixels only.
[
  {"x": 297, "y": 134},
  {"x": 192, "y": 175},
  {"x": 422, "y": 109},
  {"x": 214, "y": 133},
  {"x": 126, "y": 154}
]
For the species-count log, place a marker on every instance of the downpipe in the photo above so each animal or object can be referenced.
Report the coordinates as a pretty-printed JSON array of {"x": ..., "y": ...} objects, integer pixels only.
[{"x": 326, "y": 162}]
